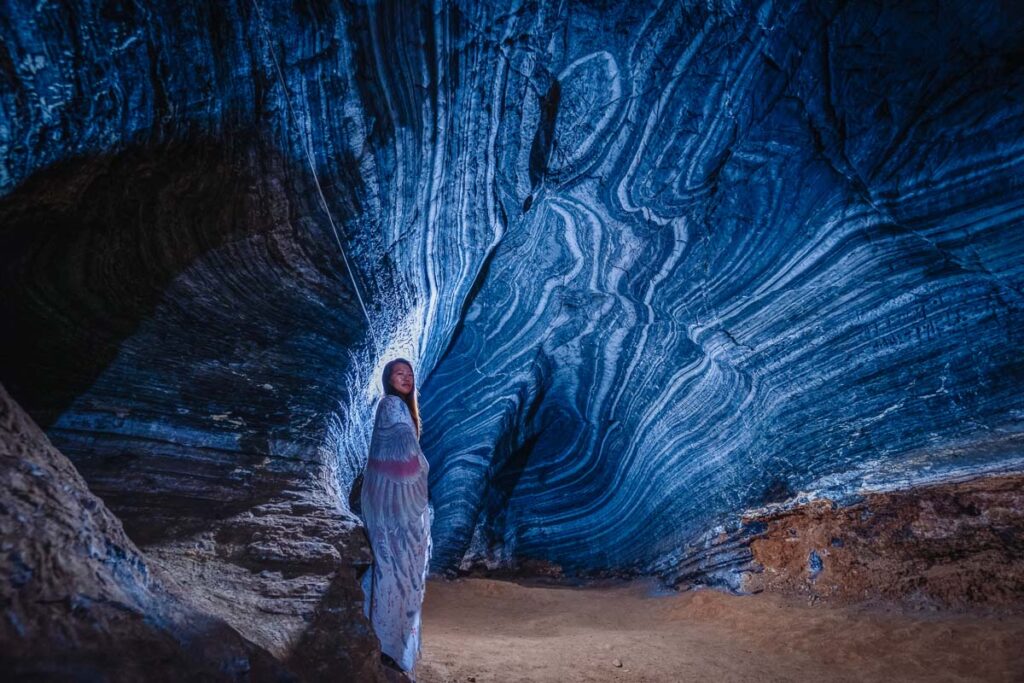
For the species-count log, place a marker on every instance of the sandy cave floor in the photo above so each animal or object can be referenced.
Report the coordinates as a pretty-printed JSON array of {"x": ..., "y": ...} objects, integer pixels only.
[{"x": 502, "y": 631}]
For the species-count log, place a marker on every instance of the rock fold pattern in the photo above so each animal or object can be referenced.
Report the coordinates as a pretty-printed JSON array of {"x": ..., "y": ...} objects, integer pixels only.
[{"x": 656, "y": 263}]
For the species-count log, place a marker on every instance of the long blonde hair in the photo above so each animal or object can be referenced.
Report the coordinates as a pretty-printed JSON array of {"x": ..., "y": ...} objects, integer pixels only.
[{"x": 410, "y": 400}]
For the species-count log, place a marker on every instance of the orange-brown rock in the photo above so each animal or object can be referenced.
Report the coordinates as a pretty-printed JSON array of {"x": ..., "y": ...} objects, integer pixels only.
[{"x": 948, "y": 545}]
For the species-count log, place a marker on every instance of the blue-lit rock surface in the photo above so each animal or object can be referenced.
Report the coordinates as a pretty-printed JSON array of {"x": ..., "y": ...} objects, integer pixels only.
[
  {"x": 757, "y": 254},
  {"x": 656, "y": 265}
]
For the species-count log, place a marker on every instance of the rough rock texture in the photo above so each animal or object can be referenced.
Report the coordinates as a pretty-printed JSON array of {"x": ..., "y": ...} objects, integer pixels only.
[
  {"x": 79, "y": 601},
  {"x": 183, "y": 322},
  {"x": 187, "y": 430},
  {"x": 286, "y": 574},
  {"x": 656, "y": 263},
  {"x": 952, "y": 545}
]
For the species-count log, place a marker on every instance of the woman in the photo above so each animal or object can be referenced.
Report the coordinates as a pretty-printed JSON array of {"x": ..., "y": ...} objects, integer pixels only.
[{"x": 397, "y": 515}]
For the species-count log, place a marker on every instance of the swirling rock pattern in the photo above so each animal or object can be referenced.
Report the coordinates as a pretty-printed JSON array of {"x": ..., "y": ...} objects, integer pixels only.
[
  {"x": 657, "y": 263},
  {"x": 759, "y": 254}
]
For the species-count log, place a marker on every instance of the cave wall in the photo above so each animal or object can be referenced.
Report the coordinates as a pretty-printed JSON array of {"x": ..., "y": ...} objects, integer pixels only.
[
  {"x": 657, "y": 264},
  {"x": 79, "y": 600},
  {"x": 751, "y": 253},
  {"x": 952, "y": 545},
  {"x": 183, "y": 323}
]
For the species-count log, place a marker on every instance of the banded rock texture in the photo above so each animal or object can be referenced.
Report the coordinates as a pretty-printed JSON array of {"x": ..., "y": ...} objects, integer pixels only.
[
  {"x": 656, "y": 263},
  {"x": 182, "y": 321},
  {"x": 80, "y": 602},
  {"x": 745, "y": 253}
]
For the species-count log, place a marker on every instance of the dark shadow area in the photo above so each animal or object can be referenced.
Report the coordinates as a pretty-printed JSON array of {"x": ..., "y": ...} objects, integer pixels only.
[
  {"x": 513, "y": 452},
  {"x": 317, "y": 656},
  {"x": 189, "y": 380},
  {"x": 88, "y": 247}
]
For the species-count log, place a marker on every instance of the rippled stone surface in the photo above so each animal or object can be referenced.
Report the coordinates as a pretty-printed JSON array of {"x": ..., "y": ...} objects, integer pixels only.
[
  {"x": 657, "y": 264},
  {"x": 759, "y": 253}
]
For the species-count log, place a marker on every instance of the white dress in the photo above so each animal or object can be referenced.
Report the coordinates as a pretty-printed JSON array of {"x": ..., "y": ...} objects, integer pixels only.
[{"x": 397, "y": 516}]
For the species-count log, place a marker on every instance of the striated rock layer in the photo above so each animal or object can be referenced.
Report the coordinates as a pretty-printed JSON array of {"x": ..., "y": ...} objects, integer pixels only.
[
  {"x": 183, "y": 323},
  {"x": 656, "y": 264},
  {"x": 79, "y": 601},
  {"x": 745, "y": 251}
]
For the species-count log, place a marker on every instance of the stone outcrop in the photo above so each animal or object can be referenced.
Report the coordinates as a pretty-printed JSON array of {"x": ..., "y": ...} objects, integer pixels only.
[
  {"x": 951, "y": 545},
  {"x": 79, "y": 601},
  {"x": 285, "y": 574},
  {"x": 190, "y": 400},
  {"x": 956, "y": 545}
]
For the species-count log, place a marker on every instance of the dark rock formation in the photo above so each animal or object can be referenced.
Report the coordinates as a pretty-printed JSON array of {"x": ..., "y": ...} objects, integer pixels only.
[
  {"x": 236, "y": 496},
  {"x": 286, "y": 575},
  {"x": 184, "y": 324},
  {"x": 657, "y": 264},
  {"x": 79, "y": 600}
]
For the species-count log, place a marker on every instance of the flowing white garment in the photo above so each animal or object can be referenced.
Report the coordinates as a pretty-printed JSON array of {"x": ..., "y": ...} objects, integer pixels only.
[{"x": 397, "y": 515}]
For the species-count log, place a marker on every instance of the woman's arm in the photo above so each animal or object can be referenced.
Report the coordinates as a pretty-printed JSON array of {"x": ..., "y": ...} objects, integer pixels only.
[
  {"x": 394, "y": 436},
  {"x": 395, "y": 483}
]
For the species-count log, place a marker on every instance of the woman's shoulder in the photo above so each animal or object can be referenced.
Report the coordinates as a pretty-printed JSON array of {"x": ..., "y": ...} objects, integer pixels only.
[
  {"x": 392, "y": 406},
  {"x": 388, "y": 400}
]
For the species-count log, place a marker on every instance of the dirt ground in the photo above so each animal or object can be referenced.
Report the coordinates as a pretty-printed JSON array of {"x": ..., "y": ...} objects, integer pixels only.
[{"x": 487, "y": 630}]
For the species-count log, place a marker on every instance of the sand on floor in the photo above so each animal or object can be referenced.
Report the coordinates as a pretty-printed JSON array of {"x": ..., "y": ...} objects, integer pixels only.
[{"x": 489, "y": 630}]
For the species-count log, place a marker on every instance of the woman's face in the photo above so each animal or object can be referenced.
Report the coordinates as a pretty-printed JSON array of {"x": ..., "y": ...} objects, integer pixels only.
[{"x": 401, "y": 378}]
